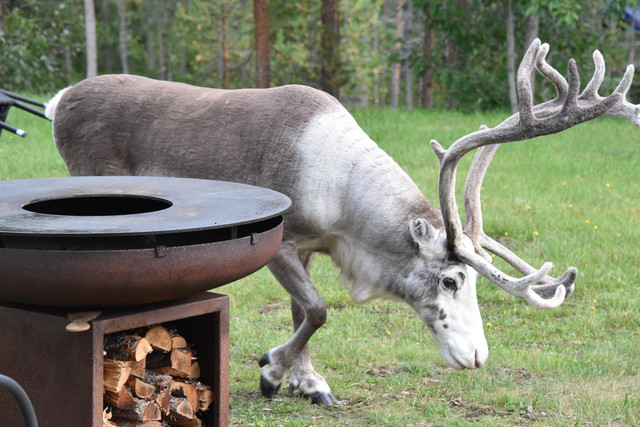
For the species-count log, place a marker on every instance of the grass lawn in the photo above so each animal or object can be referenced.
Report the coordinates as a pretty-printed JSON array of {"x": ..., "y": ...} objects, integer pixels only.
[{"x": 571, "y": 199}]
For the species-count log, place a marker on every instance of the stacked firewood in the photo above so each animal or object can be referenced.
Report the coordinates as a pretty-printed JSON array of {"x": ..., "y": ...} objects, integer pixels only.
[{"x": 151, "y": 379}]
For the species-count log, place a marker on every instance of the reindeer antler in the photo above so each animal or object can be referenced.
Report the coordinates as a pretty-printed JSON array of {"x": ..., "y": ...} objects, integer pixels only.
[{"x": 566, "y": 110}]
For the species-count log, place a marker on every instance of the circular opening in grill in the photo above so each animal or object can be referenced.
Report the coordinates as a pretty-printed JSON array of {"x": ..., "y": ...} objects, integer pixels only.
[{"x": 98, "y": 205}]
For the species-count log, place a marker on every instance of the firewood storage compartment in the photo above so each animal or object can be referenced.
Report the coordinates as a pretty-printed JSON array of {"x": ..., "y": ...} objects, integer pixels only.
[
  {"x": 62, "y": 372},
  {"x": 141, "y": 251}
]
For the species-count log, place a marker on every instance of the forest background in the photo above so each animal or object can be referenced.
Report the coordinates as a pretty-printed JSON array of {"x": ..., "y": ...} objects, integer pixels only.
[{"x": 394, "y": 53}]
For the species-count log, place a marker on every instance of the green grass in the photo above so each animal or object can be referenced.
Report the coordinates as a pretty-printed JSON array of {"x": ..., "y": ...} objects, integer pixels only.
[{"x": 576, "y": 365}]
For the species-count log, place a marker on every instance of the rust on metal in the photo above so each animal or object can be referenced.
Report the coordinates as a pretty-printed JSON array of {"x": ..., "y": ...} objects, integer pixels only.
[{"x": 110, "y": 241}]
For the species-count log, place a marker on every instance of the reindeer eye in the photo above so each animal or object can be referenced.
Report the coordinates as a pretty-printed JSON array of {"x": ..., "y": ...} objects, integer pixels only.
[{"x": 450, "y": 284}]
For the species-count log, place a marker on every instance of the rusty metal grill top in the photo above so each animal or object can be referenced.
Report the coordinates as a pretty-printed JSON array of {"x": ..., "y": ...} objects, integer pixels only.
[{"x": 117, "y": 206}]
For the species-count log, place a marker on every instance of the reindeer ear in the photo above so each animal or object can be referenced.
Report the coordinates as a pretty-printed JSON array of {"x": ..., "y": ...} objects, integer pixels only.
[{"x": 421, "y": 231}]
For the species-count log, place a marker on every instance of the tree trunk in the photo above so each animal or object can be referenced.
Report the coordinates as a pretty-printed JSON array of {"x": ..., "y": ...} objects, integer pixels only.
[
  {"x": 426, "y": 98},
  {"x": 329, "y": 47},
  {"x": 407, "y": 71},
  {"x": 107, "y": 47},
  {"x": 531, "y": 32},
  {"x": 149, "y": 18},
  {"x": 90, "y": 38},
  {"x": 397, "y": 52},
  {"x": 223, "y": 49},
  {"x": 122, "y": 35},
  {"x": 263, "y": 66},
  {"x": 68, "y": 65},
  {"x": 160, "y": 36},
  {"x": 511, "y": 57}
]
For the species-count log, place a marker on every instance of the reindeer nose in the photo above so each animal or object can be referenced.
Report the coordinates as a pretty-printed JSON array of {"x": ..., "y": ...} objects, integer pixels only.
[{"x": 479, "y": 359}]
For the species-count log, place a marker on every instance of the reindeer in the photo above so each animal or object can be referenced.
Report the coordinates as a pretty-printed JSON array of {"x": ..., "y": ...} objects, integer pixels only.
[{"x": 350, "y": 199}]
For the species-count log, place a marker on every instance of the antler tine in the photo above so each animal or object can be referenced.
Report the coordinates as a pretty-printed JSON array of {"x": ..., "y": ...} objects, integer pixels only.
[
  {"x": 472, "y": 202},
  {"x": 590, "y": 92},
  {"x": 551, "y": 74},
  {"x": 474, "y": 229},
  {"x": 551, "y": 117},
  {"x": 548, "y": 283}
]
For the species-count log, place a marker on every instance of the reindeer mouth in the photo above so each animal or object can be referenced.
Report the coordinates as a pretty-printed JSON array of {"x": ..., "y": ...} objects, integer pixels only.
[{"x": 458, "y": 360}]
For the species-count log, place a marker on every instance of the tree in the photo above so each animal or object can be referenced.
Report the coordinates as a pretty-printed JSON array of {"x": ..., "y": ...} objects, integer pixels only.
[
  {"x": 330, "y": 48},
  {"x": 122, "y": 36},
  {"x": 263, "y": 65},
  {"x": 426, "y": 80},
  {"x": 511, "y": 56},
  {"x": 91, "y": 39},
  {"x": 397, "y": 52}
]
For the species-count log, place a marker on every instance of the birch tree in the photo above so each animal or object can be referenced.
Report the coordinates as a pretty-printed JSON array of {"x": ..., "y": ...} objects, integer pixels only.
[{"x": 91, "y": 38}]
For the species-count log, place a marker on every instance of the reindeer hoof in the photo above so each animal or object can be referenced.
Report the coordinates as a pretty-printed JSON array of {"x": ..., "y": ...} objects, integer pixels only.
[
  {"x": 322, "y": 398},
  {"x": 264, "y": 360},
  {"x": 267, "y": 389}
]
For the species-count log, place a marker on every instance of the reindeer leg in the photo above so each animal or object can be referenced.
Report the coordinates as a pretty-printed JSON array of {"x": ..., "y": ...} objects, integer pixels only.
[
  {"x": 289, "y": 270},
  {"x": 311, "y": 384}
]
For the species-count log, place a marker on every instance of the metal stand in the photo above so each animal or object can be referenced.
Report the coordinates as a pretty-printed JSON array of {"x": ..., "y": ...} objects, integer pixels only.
[{"x": 62, "y": 371}]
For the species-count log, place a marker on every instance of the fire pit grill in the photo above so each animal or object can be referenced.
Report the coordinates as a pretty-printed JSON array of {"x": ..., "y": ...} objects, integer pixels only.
[{"x": 111, "y": 241}]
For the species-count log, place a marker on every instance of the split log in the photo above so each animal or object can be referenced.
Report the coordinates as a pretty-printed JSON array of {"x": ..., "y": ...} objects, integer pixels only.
[
  {"x": 150, "y": 379},
  {"x": 123, "y": 422},
  {"x": 106, "y": 418},
  {"x": 185, "y": 422},
  {"x": 144, "y": 411},
  {"x": 176, "y": 363},
  {"x": 163, "y": 399},
  {"x": 115, "y": 374},
  {"x": 205, "y": 396},
  {"x": 138, "y": 368},
  {"x": 195, "y": 370},
  {"x": 122, "y": 399},
  {"x": 177, "y": 340},
  {"x": 126, "y": 346},
  {"x": 160, "y": 338},
  {"x": 160, "y": 381},
  {"x": 188, "y": 391},
  {"x": 141, "y": 388},
  {"x": 181, "y": 409},
  {"x": 162, "y": 385}
]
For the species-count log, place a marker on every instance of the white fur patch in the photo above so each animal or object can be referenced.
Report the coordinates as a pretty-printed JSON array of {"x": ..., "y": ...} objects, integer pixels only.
[{"x": 50, "y": 108}]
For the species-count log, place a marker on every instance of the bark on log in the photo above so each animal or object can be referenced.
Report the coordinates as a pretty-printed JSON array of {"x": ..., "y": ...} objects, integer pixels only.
[
  {"x": 181, "y": 409},
  {"x": 144, "y": 411},
  {"x": 126, "y": 346},
  {"x": 123, "y": 422},
  {"x": 141, "y": 388}
]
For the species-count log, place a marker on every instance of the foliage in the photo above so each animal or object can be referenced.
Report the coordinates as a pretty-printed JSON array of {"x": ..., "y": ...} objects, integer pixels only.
[
  {"x": 33, "y": 39},
  {"x": 211, "y": 43}
]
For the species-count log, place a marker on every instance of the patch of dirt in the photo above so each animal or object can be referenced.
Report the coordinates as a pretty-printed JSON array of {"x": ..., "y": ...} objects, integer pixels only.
[
  {"x": 521, "y": 376},
  {"x": 380, "y": 372},
  {"x": 268, "y": 308},
  {"x": 471, "y": 411}
]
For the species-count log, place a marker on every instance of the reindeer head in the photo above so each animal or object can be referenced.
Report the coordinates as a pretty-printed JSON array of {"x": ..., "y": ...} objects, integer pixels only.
[{"x": 451, "y": 310}]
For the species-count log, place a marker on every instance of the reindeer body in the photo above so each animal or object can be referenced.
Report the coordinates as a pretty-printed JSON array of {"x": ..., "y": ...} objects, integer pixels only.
[{"x": 349, "y": 199}]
